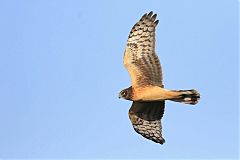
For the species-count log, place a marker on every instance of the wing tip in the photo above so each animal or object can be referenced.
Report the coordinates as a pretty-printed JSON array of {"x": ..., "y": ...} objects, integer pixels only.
[
  {"x": 153, "y": 137},
  {"x": 156, "y": 22},
  {"x": 160, "y": 141},
  {"x": 151, "y": 130},
  {"x": 150, "y": 13},
  {"x": 151, "y": 16}
]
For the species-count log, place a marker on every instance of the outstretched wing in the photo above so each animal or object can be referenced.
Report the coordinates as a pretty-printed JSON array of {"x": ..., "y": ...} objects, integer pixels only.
[
  {"x": 146, "y": 119},
  {"x": 140, "y": 58}
]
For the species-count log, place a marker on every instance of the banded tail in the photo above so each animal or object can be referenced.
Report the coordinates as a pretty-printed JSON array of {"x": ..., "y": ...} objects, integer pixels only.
[{"x": 187, "y": 96}]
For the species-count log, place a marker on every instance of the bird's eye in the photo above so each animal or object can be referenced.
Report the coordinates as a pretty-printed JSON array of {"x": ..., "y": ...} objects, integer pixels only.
[{"x": 124, "y": 93}]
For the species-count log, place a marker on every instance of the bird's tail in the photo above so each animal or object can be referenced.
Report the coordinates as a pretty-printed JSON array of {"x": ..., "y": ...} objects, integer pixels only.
[{"x": 186, "y": 96}]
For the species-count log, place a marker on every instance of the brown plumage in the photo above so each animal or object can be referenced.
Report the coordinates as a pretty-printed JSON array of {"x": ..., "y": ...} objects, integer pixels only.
[{"x": 146, "y": 91}]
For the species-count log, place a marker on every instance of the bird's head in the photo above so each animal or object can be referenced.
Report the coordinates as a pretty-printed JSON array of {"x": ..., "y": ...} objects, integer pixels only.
[{"x": 126, "y": 93}]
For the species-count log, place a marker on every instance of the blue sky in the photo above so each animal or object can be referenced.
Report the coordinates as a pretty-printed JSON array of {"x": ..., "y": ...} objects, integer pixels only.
[{"x": 61, "y": 68}]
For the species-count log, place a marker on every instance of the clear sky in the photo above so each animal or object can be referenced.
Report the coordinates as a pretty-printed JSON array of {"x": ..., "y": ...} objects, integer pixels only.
[{"x": 61, "y": 68}]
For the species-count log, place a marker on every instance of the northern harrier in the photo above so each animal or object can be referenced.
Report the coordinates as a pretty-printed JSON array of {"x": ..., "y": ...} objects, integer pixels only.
[{"x": 147, "y": 92}]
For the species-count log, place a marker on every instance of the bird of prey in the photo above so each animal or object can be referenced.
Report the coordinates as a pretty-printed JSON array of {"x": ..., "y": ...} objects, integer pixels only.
[{"x": 147, "y": 90}]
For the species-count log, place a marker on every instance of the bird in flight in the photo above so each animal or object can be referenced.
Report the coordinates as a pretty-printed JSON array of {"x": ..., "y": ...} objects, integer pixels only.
[{"x": 147, "y": 90}]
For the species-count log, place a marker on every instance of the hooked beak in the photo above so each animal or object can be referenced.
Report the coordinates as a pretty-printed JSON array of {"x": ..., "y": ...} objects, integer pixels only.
[{"x": 119, "y": 96}]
